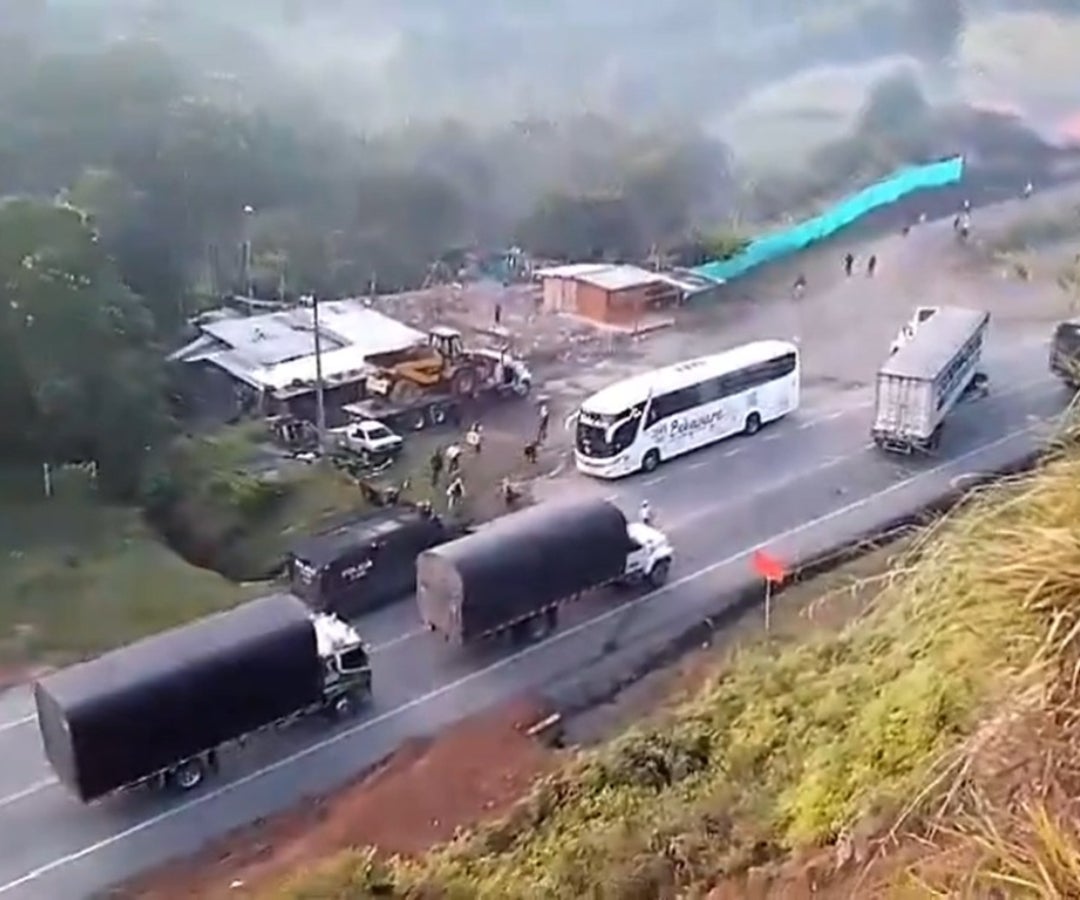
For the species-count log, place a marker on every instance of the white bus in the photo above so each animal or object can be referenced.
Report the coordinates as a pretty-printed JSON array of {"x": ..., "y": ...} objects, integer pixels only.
[{"x": 635, "y": 424}]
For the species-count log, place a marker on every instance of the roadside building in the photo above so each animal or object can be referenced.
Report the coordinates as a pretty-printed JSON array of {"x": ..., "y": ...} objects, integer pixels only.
[
  {"x": 266, "y": 362},
  {"x": 616, "y": 295}
]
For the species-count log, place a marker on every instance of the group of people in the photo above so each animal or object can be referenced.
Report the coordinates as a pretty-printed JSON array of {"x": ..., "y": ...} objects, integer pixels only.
[{"x": 447, "y": 460}]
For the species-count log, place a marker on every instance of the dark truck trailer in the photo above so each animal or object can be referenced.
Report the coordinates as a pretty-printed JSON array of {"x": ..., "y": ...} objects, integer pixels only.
[
  {"x": 164, "y": 705},
  {"x": 364, "y": 562},
  {"x": 512, "y": 573}
]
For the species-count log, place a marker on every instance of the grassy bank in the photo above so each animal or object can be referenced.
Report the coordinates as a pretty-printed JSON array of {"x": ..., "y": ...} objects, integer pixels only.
[
  {"x": 79, "y": 576},
  {"x": 794, "y": 745},
  {"x": 229, "y": 504}
]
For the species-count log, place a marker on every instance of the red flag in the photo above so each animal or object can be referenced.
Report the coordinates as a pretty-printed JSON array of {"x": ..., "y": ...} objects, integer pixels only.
[{"x": 768, "y": 567}]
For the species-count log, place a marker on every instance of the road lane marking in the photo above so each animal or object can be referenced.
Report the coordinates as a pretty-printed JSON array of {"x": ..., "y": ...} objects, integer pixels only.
[
  {"x": 17, "y": 723},
  {"x": 28, "y": 791},
  {"x": 451, "y": 686},
  {"x": 394, "y": 641}
]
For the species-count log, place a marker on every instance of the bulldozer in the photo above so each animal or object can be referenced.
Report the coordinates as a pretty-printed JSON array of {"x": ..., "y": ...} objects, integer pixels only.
[{"x": 442, "y": 366}]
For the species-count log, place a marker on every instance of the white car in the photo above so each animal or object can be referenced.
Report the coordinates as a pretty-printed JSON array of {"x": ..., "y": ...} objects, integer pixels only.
[{"x": 369, "y": 438}]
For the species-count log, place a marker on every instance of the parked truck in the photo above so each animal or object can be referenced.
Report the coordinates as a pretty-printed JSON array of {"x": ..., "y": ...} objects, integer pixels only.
[
  {"x": 934, "y": 362},
  {"x": 513, "y": 574},
  {"x": 158, "y": 712}
]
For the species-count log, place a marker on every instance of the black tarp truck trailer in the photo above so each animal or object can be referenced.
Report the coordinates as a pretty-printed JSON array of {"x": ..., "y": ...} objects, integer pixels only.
[
  {"x": 142, "y": 710},
  {"x": 513, "y": 572}
]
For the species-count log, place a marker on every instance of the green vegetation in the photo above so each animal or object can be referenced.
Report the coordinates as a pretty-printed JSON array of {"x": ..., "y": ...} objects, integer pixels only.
[
  {"x": 233, "y": 507},
  {"x": 81, "y": 575},
  {"x": 794, "y": 743}
]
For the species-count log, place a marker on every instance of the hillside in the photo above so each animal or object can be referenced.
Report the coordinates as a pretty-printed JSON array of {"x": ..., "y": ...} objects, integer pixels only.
[{"x": 925, "y": 747}]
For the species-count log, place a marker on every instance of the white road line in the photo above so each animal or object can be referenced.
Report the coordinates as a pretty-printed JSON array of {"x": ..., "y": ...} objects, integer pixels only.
[
  {"x": 775, "y": 435},
  {"x": 394, "y": 641},
  {"x": 27, "y": 791},
  {"x": 451, "y": 686},
  {"x": 700, "y": 464},
  {"x": 656, "y": 479},
  {"x": 734, "y": 451},
  {"x": 17, "y": 723}
]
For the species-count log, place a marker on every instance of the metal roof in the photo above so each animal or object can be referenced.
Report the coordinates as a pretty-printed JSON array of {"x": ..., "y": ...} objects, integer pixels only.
[
  {"x": 936, "y": 342},
  {"x": 276, "y": 351},
  {"x": 618, "y": 278},
  {"x": 572, "y": 270}
]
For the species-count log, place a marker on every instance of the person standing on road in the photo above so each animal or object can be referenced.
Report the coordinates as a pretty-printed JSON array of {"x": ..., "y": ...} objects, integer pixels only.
[
  {"x": 799, "y": 287},
  {"x": 453, "y": 459},
  {"x": 871, "y": 266},
  {"x": 436, "y": 465},
  {"x": 543, "y": 423},
  {"x": 455, "y": 494},
  {"x": 475, "y": 436},
  {"x": 498, "y": 313},
  {"x": 646, "y": 513},
  {"x": 849, "y": 263}
]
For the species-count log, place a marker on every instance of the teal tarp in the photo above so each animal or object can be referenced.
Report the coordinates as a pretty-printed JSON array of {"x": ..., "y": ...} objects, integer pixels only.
[{"x": 791, "y": 240}]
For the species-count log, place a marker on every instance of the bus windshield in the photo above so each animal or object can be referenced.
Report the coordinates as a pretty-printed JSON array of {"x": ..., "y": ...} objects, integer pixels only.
[{"x": 601, "y": 436}]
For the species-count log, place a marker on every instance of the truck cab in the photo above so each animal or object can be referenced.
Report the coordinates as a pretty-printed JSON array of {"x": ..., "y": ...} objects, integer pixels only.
[
  {"x": 650, "y": 557},
  {"x": 346, "y": 665}
]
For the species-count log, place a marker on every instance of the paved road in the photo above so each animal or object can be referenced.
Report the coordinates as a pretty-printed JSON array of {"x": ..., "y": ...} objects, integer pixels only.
[{"x": 799, "y": 486}]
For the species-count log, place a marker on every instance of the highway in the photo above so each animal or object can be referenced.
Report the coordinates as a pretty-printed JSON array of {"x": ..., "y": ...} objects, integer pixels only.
[{"x": 798, "y": 487}]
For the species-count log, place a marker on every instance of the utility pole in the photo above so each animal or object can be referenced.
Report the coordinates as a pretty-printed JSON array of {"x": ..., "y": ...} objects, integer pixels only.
[{"x": 320, "y": 399}]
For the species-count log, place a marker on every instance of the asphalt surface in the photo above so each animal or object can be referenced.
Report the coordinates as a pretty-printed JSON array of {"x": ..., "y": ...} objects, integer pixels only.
[{"x": 798, "y": 487}]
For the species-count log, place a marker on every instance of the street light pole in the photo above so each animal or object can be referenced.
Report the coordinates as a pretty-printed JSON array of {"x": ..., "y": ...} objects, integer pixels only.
[
  {"x": 320, "y": 399},
  {"x": 246, "y": 251}
]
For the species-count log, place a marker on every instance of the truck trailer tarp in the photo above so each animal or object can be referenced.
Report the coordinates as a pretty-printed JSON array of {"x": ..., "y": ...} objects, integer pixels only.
[
  {"x": 135, "y": 711},
  {"x": 520, "y": 563}
]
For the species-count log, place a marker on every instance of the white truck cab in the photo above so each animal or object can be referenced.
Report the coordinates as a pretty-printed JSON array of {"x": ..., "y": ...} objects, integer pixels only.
[
  {"x": 650, "y": 559},
  {"x": 346, "y": 665}
]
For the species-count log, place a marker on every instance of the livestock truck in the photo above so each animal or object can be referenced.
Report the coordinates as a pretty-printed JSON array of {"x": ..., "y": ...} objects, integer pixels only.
[
  {"x": 158, "y": 711},
  {"x": 934, "y": 362},
  {"x": 513, "y": 574}
]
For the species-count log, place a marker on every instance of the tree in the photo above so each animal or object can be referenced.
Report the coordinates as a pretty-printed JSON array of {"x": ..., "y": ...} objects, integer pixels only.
[{"x": 81, "y": 379}]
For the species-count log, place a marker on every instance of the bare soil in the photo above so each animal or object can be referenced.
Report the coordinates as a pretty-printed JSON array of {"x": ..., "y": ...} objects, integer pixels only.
[{"x": 419, "y": 797}]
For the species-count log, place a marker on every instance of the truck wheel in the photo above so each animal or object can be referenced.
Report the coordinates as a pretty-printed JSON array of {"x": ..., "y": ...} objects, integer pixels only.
[
  {"x": 650, "y": 461},
  {"x": 343, "y": 706},
  {"x": 753, "y": 424},
  {"x": 188, "y": 775},
  {"x": 659, "y": 574},
  {"x": 437, "y": 415}
]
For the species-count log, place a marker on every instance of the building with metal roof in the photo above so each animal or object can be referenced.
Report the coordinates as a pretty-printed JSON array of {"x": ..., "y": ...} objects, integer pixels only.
[{"x": 274, "y": 353}]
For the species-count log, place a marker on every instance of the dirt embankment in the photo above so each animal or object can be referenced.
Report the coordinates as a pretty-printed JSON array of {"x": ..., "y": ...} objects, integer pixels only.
[{"x": 419, "y": 797}]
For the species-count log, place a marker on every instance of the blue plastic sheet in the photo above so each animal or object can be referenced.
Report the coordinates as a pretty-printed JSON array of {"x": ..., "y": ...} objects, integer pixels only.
[{"x": 783, "y": 243}]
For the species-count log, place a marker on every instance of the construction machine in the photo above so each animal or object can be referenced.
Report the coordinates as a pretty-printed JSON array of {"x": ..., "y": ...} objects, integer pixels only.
[{"x": 443, "y": 366}]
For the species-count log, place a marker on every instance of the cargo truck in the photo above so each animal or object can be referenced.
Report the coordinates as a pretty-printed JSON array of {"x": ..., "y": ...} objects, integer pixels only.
[
  {"x": 933, "y": 364},
  {"x": 157, "y": 712},
  {"x": 513, "y": 574}
]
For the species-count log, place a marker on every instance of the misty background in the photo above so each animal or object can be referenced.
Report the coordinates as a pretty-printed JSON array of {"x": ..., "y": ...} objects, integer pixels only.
[{"x": 358, "y": 144}]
